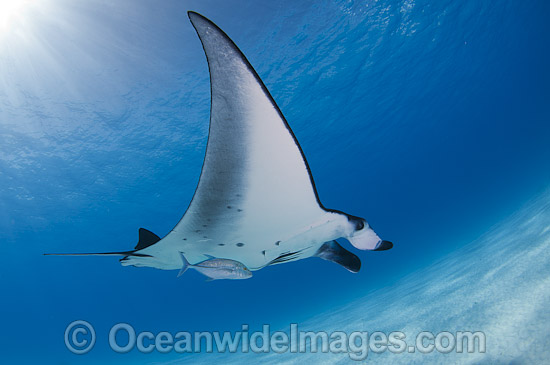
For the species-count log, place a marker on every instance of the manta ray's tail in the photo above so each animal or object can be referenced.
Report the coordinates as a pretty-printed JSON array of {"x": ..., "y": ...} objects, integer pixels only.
[
  {"x": 146, "y": 239},
  {"x": 118, "y": 253}
]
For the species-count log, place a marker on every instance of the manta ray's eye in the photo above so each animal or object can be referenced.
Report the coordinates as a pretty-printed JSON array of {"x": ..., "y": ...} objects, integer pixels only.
[{"x": 357, "y": 223}]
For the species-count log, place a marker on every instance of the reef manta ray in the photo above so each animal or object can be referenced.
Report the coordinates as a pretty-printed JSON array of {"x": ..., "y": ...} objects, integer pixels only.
[{"x": 256, "y": 201}]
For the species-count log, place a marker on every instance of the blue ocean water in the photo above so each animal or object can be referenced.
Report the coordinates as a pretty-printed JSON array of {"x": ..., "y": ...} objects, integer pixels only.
[{"x": 429, "y": 119}]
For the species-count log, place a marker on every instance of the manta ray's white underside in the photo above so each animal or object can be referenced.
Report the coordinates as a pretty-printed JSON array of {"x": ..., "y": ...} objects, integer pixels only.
[{"x": 255, "y": 202}]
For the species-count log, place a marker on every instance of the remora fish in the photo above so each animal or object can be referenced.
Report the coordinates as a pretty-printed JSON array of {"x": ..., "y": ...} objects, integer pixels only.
[{"x": 216, "y": 268}]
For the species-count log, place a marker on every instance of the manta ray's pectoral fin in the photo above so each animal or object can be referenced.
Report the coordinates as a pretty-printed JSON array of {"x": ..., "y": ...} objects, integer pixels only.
[{"x": 332, "y": 251}]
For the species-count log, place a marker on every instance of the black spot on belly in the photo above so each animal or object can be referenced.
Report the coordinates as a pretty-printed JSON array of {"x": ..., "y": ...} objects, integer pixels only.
[
  {"x": 277, "y": 243},
  {"x": 229, "y": 207},
  {"x": 197, "y": 231},
  {"x": 204, "y": 237},
  {"x": 263, "y": 252},
  {"x": 240, "y": 244},
  {"x": 185, "y": 239},
  {"x": 204, "y": 225},
  {"x": 221, "y": 244},
  {"x": 239, "y": 210}
]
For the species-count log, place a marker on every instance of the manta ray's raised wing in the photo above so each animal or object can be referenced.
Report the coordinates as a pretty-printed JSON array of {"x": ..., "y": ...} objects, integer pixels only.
[
  {"x": 254, "y": 171},
  {"x": 255, "y": 182}
]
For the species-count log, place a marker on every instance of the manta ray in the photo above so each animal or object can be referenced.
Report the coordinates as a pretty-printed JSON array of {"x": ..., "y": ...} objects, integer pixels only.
[{"x": 256, "y": 201}]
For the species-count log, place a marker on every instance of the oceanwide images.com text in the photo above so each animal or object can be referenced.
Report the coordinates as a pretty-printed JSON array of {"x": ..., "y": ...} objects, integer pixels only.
[{"x": 80, "y": 338}]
